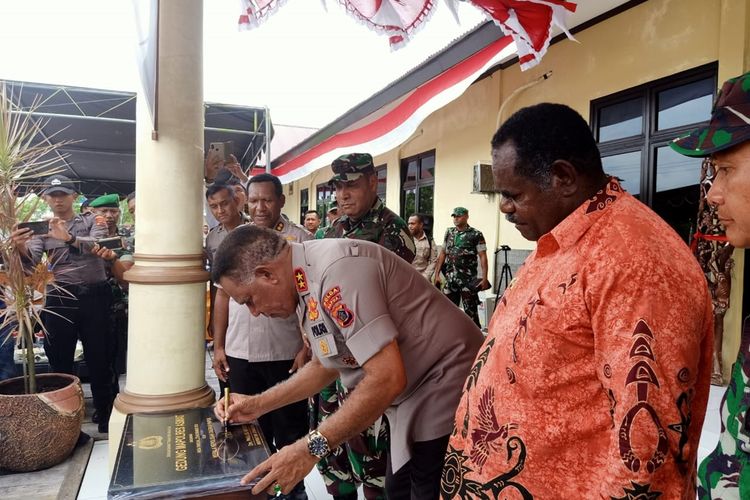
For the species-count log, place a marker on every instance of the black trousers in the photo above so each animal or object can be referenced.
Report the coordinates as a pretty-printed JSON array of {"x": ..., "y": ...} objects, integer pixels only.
[
  {"x": 280, "y": 427},
  {"x": 469, "y": 301},
  {"x": 86, "y": 316},
  {"x": 419, "y": 478}
]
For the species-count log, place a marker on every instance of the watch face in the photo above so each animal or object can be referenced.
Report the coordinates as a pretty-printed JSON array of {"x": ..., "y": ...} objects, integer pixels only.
[{"x": 318, "y": 446}]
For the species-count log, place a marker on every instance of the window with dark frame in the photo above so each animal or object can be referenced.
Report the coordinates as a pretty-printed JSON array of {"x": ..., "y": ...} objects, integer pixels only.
[
  {"x": 324, "y": 196},
  {"x": 304, "y": 203},
  {"x": 418, "y": 184},
  {"x": 382, "y": 172},
  {"x": 633, "y": 129}
]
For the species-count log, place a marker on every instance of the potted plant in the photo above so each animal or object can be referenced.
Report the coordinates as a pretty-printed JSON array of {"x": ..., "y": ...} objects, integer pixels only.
[{"x": 40, "y": 414}]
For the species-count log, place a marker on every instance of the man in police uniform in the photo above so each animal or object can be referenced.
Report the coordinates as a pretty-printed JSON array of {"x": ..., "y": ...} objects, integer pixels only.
[
  {"x": 81, "y": 310},
  {"x": 262, "y": 352},
  {"x": 364, "y": 216},
  {"x": 462, "y": 245},
  {"x": 426, "y": 250},
  {"x": 225, "y": 208},
  {"x": 373, "y": 320}
]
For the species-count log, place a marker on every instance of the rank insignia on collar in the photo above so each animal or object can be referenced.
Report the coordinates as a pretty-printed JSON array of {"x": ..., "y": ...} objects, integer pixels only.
[
  {"x": 279, "y": 226},
  {"x": 300, "y": 280},
  {"x": 343, "y": 315},
  {"x": 312, "y": 309}
]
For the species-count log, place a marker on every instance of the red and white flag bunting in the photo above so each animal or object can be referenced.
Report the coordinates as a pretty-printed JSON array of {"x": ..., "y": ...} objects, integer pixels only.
[
  {"x": 529, "y": 22},
  {"x": 393, "y": 124}
]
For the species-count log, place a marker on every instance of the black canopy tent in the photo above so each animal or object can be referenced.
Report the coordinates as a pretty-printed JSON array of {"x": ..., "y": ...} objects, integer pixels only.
[{"x": 102, "y": 122}]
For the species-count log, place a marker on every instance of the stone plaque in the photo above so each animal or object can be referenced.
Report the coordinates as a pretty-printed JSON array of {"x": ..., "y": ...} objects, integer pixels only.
[{"x": 184, "y": 454}]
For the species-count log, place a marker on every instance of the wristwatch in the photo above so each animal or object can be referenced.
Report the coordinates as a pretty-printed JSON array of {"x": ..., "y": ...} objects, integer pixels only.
[{"x": 317, "y": 444}]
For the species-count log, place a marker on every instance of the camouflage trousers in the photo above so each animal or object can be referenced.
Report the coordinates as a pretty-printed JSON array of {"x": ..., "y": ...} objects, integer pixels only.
[
  {"x": 467, "y": 298},
  {"x": 361, "y": 460}
]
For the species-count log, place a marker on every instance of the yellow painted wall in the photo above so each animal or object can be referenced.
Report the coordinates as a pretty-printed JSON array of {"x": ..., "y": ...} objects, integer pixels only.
[{"x": 647, "y": 42}]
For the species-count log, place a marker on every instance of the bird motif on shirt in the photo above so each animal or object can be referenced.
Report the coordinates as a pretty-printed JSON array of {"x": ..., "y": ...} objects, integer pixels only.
[{"x": 489, "y": 435}]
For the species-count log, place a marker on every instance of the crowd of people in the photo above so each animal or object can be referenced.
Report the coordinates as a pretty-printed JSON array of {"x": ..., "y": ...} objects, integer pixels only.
[
  {"x": 88, "y": 301},
  {"x": 345, "y": 341},
  {"x": 593, "y": 378}
]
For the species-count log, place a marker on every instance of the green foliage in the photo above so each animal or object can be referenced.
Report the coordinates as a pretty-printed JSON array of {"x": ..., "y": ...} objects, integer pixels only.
[{"x": 32, "y": 208}]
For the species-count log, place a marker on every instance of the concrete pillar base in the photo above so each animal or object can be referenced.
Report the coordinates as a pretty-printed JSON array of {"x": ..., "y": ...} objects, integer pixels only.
[{"x": 128, "y": 402}]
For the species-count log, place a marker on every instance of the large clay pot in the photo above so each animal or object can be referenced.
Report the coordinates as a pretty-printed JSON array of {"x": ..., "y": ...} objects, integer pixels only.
[{"x": 39, "y": 430}]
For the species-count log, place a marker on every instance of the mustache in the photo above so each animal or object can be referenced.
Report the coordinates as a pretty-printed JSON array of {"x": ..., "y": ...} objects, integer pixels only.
[{"x": 511, "y": 218}]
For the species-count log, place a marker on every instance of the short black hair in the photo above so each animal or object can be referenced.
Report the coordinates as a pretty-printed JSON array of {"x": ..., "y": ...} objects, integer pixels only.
[
  {"x": 215, "y": 188},
  {"x": 131, "y": 196},
  {"x": 312, "y": 212},
  {"x": 546, "y": 132},
  {"x": 266, "y": 177},
  {"x": 244, "y": 249},
  {"x": 419, "y": 216}
]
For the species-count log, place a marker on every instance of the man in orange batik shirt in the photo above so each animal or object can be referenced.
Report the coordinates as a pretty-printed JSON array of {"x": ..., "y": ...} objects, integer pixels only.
[{"x": 593, "y": 380}]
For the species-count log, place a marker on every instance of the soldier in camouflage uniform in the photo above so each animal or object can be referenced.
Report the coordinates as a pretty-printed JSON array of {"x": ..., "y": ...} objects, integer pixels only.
[
  {"x": 458, "y": 260},
  {"x": 118, "y": 261},
  {"x": 725, "y": 473},
  {"x": 364, "y": 217}
]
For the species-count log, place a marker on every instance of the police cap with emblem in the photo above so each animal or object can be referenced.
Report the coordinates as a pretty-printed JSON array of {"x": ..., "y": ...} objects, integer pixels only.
[
  {"x": 59, "y": 184},
  {"x": 350, "y": 167}
]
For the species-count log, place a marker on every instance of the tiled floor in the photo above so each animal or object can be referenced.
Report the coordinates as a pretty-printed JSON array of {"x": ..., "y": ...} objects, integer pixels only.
[{"x": 96, "y": 479}]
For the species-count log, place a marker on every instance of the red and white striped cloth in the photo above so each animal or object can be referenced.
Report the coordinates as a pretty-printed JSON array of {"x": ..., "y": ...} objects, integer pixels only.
[
  {"x": 393, "y": 124},
  {"x": 529, "y": 22}
]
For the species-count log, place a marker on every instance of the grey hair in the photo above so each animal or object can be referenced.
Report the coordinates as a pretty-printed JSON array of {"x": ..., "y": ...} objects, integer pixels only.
[{"x": 243, "y": 250}]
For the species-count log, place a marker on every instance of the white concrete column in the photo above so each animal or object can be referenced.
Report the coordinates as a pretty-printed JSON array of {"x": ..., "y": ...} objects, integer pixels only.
[{"x": 166, "y": 367}]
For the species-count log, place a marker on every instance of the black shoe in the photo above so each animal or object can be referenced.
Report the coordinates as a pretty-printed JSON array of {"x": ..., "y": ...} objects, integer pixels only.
[
  {"x": 103, "y": 427},
  {"x": 95, "y": 417}
]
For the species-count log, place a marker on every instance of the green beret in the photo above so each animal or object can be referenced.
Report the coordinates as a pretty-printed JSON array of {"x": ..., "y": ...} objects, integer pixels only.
[{"x": 107, "y": 200}]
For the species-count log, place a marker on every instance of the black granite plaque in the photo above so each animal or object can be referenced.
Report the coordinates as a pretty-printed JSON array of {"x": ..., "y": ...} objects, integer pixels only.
[{"x": 184, "y": 454}]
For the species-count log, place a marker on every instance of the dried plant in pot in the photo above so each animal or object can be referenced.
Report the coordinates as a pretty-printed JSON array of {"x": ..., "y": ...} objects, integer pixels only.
[{"x": 40, "y": 415}]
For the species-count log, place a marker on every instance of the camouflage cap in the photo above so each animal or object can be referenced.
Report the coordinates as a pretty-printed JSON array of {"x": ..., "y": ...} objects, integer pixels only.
[
  {"x": 729, "y": 125},
  {"x": 107, "y": 200},
  {"x": 351, "y": 167},
  {"x": 459, "y": 211}
]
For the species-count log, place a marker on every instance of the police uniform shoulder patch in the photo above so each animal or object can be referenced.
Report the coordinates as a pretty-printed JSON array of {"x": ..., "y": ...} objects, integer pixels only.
[
  {"x": 300, "y": 280},
  {"x": 331, "y": 298},
  {"x": 312, "y": 309},
  {"x": 343, "y": 315},
  {"x": 279, "y": 226},
  {"x": 350, "y": 361}
]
